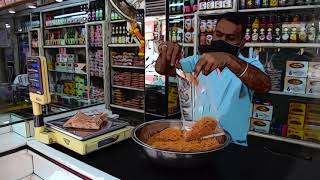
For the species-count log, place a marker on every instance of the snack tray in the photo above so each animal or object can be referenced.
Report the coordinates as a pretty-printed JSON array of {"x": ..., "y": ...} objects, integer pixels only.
[{"x": 85, "y": 134}]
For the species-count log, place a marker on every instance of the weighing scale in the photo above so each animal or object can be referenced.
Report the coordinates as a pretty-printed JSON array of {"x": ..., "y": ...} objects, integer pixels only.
[{"x": 82, "y": 141}]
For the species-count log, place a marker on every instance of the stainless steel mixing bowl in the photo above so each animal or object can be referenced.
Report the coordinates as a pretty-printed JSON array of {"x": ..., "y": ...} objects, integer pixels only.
[{"x": 171, "y": 158}]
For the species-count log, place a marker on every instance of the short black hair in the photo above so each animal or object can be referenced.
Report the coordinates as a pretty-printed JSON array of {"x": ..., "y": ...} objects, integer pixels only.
[{"x": 236, "y": 18}]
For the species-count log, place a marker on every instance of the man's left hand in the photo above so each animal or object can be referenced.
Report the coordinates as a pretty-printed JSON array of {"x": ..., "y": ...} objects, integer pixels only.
[{"x": 208, "y": 62}]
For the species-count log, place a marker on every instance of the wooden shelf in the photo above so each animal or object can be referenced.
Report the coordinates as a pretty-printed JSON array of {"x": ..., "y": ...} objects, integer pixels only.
[
  {"x": 67, "y": 72},
  {"x": 127, "y": 108},
  {"x": 215, "y": 12},
  {"x": 128, "y": 88},
  {"x": 63, "y": 26},
  {"x": 285, "y": 139},
  {"x": 280, "y": 8},
  {"x": 118, "y": 21},
  {"x": 127, "y": 67},
  {"x": 284, "y": 45},
  {"x": 295, "y": 94},
  {"x": 187, "y": 44},
  {"x": 124, "y": 45},
  {"x": 65, "y": 46}
]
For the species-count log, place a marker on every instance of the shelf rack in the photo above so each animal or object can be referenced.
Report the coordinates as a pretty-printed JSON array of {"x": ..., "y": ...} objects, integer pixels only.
[
  {"x": 128, "y": 88},
  {"x": 124, "y": 45},
  {"x": 295, "y": 94},
  {"x": 127, "y": 108},
  {"x": 64, "y": 46},
  {"x": 283, "y": 45},
  {"x": 64, "y": 26},
  {"x": 127, "y": 67},
  {"x": 281, "y": 8},
  {"x": 285, "y": 139}
]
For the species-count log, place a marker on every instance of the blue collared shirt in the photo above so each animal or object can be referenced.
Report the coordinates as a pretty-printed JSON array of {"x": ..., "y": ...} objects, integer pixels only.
[{"x": 226, "y": 98}]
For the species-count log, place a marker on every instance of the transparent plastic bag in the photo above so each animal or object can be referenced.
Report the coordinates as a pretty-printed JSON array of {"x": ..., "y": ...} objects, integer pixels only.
[{"x": 197, "y": 118}]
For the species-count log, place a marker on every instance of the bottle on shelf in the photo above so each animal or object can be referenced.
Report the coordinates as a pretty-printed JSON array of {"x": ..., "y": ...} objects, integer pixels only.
[
  {"x": 290, "y": 2},
  {"x": 194, "y": 4},
  {"x": 113, "y": 36},
  {"x": 257, "y": 4},
  {"x": 274, "y": 3},
  {"x": 173, "y": 8},
  {"x": 242, "y": 4},
  {"x": 218, "y": 4},
  {"x": 265, "y": 3},
  {"x": 187, "y": 6},
  {"x": 311, "y": 30},
  {"x": 120, "y": 35},
  {"x": 90, "y": 14},
  {"x": 123, "y": 36},
  {"x": 277, "y": 30},
  {"x": 300, "y": 2},
  {"x": 285, "y": 29},
  {"x": 282, "y": 3},
  {"x": 227, "y": 4},
  {"x": 116, "y": 35},
  {"x": 202, "y": 4},
  {"x": 128, "y": 37},
  {"x": 255, "y": 29},
  {"x": 269, "y": 36},
  {"x": 248, "y": 34},
  {"x": 93, "y": 12},
  {"x": 210, "y": 4},
  {"x": 262, "y": 32},
  {"x": 97, "y": 12},
  {"x": 179, "y": 8},
  {"x": 294, "y": 30},
  {"x": 250, "y": 4},
  {"x": 318, "y": 29}
]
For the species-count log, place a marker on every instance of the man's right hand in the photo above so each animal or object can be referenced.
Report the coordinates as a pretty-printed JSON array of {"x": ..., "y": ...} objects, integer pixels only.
[{"x": 170, "y": 54}]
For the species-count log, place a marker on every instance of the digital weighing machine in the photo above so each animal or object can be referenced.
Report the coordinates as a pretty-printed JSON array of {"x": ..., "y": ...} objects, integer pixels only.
[{"x": 82, "y": 141}]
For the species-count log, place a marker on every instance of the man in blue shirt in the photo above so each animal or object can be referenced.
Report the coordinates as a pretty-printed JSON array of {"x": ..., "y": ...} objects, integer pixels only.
[{"x": 229, "y": 93}]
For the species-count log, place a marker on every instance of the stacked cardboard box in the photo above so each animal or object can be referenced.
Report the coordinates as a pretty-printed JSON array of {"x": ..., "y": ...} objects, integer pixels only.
[
  {"x": 312, "y": 124},
  {"x": 296, "y": 118},
  {"x": 261, "y": 117}
]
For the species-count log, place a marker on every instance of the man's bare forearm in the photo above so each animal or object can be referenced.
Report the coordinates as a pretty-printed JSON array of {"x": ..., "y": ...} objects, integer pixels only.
[{"x": 253, "y": 78}]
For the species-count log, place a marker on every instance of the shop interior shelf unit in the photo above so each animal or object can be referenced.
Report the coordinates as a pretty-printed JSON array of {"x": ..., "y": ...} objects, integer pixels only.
[
  {"x": 283, "y": 45},
  {"x": 280, "y": 8},
  {"x": 127, "y": 108},
  {"x": 64, "y": 46},
  {"x": 131, "y": 92},
  {"x": 105, "y": 79},
  {"x": 50, "y": 51},
  {"x": 127, "y": 67},
  {"x": 124, "y": 45},
  {"x": 295, "y": 94},
  {"x": 64, "y": 26},
  {"x": 129, "y": 88},
  {"x": 285, "y": 139}
]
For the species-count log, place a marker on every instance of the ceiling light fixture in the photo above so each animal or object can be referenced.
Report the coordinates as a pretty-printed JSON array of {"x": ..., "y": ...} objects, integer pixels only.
[
  {"x": 31, "y": 6},
  {"x": 11, "y": 11},
  {"x": 59, "y": 0}
]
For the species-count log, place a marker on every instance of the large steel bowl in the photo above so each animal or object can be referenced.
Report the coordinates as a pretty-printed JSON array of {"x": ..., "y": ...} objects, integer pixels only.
[{"x": 171, "y": 158}]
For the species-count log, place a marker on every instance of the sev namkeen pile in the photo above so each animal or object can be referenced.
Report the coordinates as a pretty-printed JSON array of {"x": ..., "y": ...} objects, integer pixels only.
[{"x": 173, "y": 139}]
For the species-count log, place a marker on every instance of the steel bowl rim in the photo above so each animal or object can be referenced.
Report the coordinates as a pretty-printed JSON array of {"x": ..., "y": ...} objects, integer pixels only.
[{"x": 137, "y": 140}]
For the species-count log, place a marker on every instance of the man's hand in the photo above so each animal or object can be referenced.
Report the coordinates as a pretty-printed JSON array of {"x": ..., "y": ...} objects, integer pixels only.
[
  {"x": 208, "y": 62},
  {"x": 170, "y": 54}
]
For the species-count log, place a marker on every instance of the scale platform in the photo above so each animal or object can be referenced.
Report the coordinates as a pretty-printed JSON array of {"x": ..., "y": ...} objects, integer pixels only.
[{"x": 84, "y": 141}]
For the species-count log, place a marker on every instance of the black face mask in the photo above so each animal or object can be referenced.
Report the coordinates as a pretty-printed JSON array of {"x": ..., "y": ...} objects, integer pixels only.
[{"x": 222, "y": 46}]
